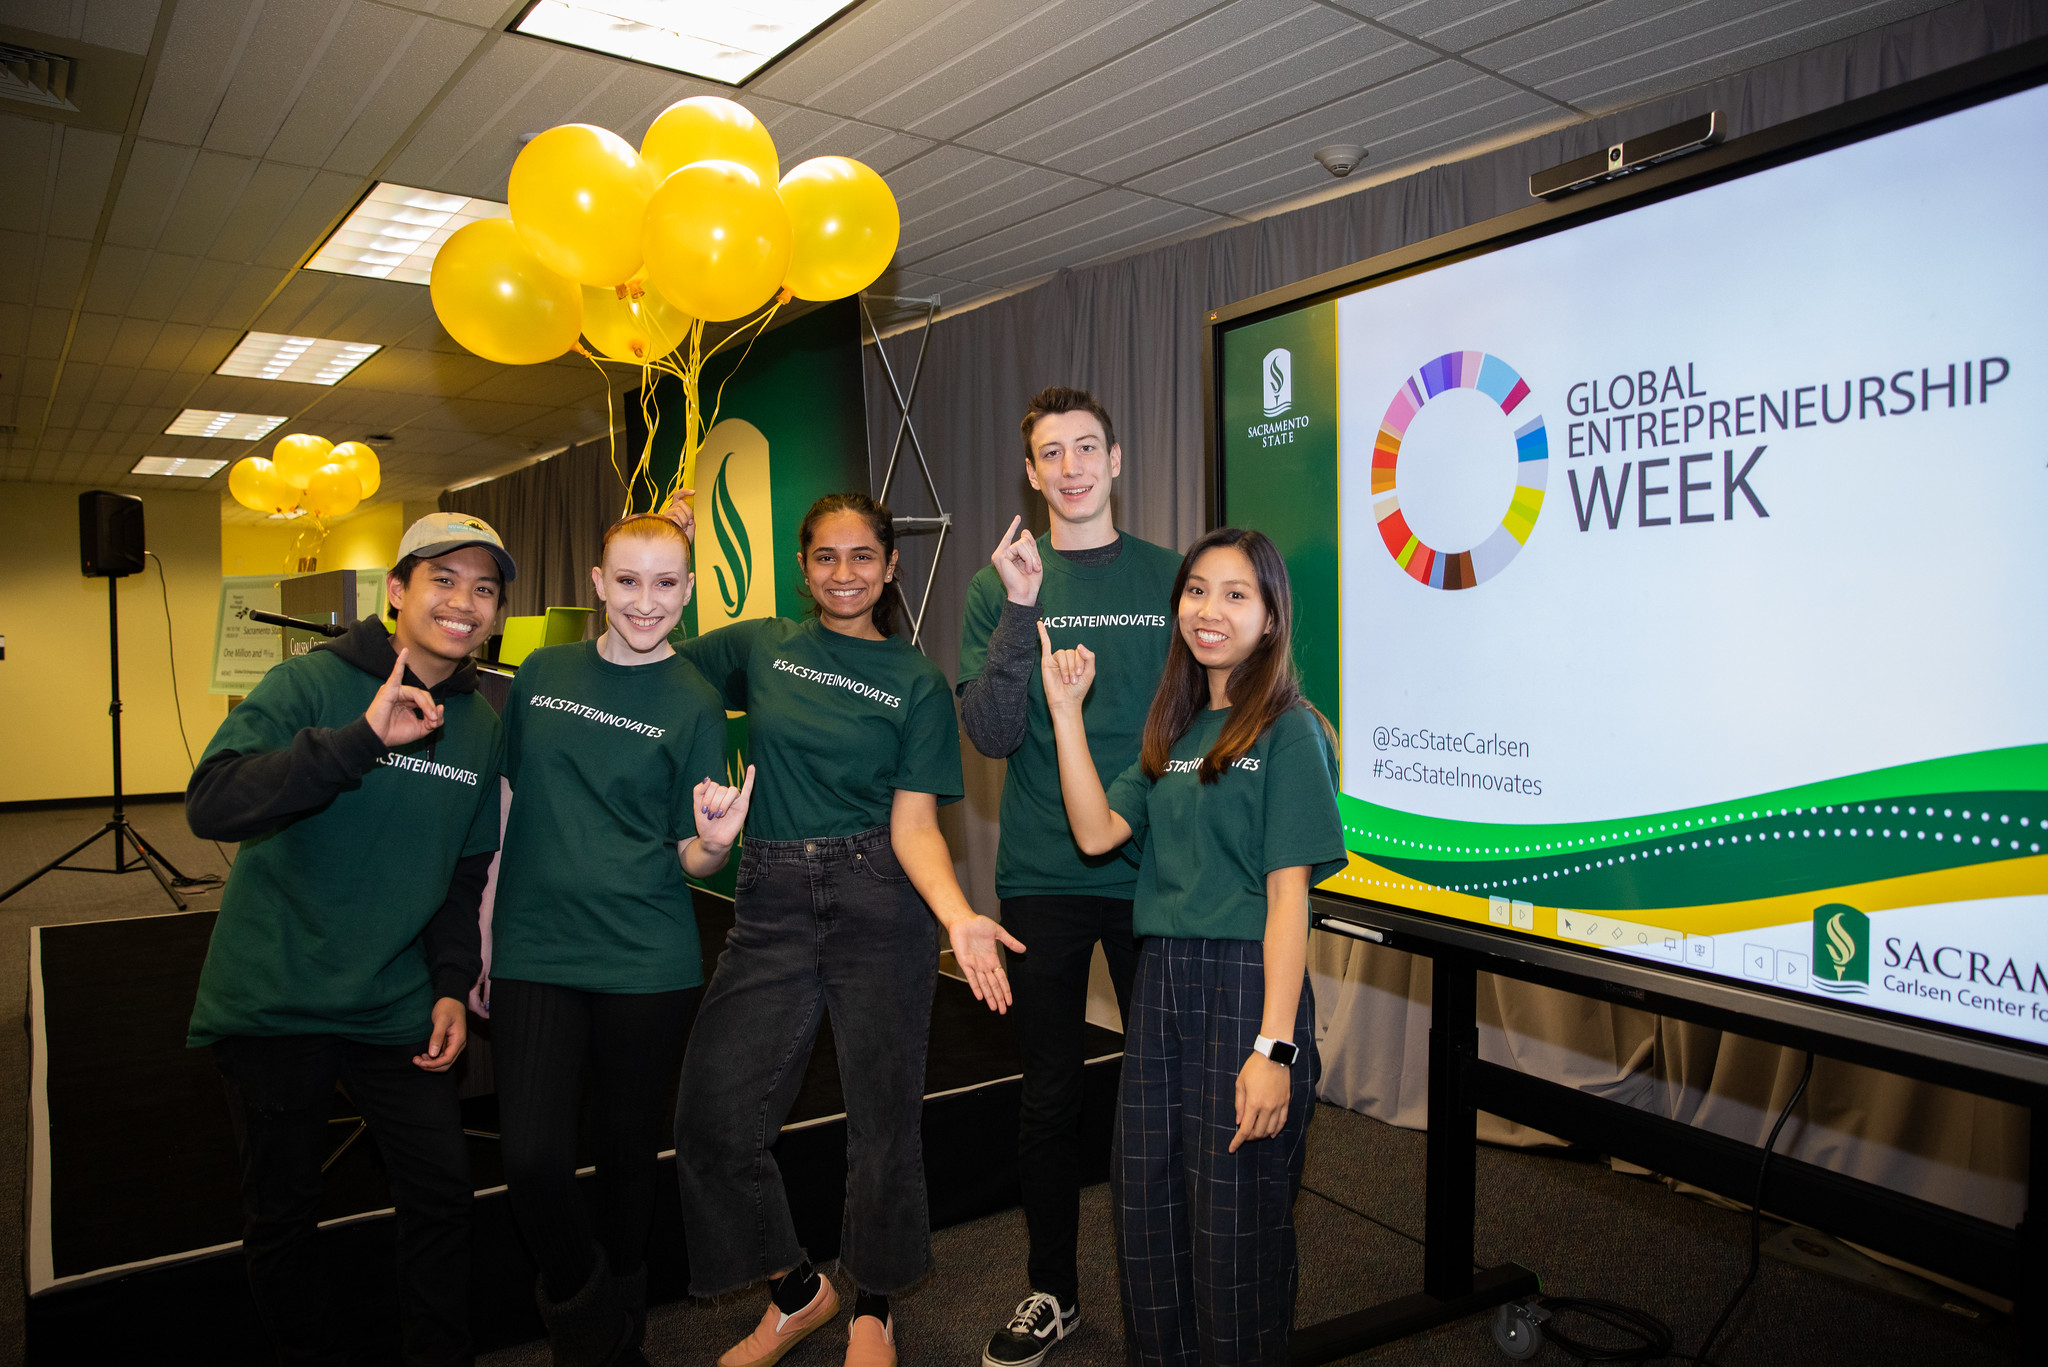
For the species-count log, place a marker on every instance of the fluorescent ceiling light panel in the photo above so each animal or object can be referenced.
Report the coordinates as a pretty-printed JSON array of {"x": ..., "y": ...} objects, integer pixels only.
[
  {"x": 394, "y": 233},
  {"x": 177, "y": 465},
  {"x": 209, "y": 422},
  {"x": 723, "y": 42},
  {"x": 308, "y": 360}
]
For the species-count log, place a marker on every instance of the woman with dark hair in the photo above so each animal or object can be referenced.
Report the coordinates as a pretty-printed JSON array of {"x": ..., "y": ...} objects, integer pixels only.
[
  {"x": 1233, "y": 801},
  {"x": 615, "y": 753},
  {"x": 841, "y": 876}
]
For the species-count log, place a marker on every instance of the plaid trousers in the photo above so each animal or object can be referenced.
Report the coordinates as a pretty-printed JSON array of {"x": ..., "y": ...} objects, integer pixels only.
[{"x": 1205, "y": 1237}]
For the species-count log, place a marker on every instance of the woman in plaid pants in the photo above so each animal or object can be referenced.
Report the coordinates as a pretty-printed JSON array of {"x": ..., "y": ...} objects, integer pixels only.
[{"x": 1233, "y": 806}]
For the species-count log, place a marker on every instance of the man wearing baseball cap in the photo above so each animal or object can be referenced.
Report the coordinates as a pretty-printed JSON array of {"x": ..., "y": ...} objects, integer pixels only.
[{"x": 361, "y": 780}]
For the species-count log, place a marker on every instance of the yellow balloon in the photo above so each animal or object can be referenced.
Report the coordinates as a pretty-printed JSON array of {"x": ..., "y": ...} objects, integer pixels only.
[
  {"x": 632, "y": 323},
  {"x": 299, "y": 455},
  {"x": 258, "y": 486},
  {"x": 577, "y": 193},
  {"x": 360, "y": 461},
  {"x": 717, "y": 240},
  {"x": 708, "y": 128},
  {"x": 333, "y": 491},
  {"x": 496, "y": 298},
  {"x": 843, "y": 227}
]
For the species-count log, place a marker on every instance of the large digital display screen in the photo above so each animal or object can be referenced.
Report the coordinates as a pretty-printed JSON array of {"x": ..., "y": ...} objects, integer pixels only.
[{"x": 1676, "y": 577}]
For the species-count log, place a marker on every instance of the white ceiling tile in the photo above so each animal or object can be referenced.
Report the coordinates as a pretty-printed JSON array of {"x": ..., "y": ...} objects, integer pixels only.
[
  {"x": 61, "y": 272},
  {"x": 198, "y": 62},
  {"x": 486, "y": 103},
  {"x": 1456, "y": 25},
  {"x": 93, "y": 337},
  {"x": 305, "y": 223},
  {"x": 46, "y": 328},
  {"x": 1670, "y": 56},
  {"x": 982, "y": 195},
  {"x": 115, "y": 276},
  {"x": 348, "y": 77},
  {"x": 85, "y": 168},
  {"x": 149, "y": 190},
  {"x": 162, "y": 280},
  {"x": 988, "y": 257},
  {"x": 124, "y": 25},
  {"x": 1356, "y": 62},
  {"x": 1516, "y": 113},
  {"x": 1219, "y": 47},
  {"x": 28, "y": 147},
  {"x": 1213, "y": 178},
  {"x": 831, "y": 72},
  {"x": 473, "y": 12},
  {"x": 210, "y": 196},
  {"x": 424, "y": 65},
  {"x": 290, "y": 44},
  {"x": 13, "y": 334},
  {"x": 133, "y": 337},
  {"x": 801, "y": 134},
  {"x": 1039, "y": 49}
]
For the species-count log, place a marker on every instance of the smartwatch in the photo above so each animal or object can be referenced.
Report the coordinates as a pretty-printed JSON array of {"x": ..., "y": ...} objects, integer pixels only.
[{"x": 1280, "y": 1051}]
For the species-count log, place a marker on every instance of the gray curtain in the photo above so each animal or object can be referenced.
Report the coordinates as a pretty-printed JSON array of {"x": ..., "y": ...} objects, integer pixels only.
[
  {"x": 552, "y": 516},
  {"x": 1131, "y": 331}
]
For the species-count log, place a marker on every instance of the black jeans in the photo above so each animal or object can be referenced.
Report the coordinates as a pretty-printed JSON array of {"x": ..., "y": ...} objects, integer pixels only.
[
  {"x": 280, "y": 1094},
  {"x": 819, "y": 925},
  {"x": 1049, "y": 987},
  {"x": 545, "y": 1039}
]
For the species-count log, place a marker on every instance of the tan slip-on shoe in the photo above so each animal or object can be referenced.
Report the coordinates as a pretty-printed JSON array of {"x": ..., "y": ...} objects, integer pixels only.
[
  {"x": 870, "y": 1342},
  {"x": 777, "y": 1333}
]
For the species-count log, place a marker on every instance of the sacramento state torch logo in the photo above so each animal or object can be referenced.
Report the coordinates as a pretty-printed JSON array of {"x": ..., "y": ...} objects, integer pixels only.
[
  {"x": 1500, "y": 382},
  {"x": 1841, "y": 950}
]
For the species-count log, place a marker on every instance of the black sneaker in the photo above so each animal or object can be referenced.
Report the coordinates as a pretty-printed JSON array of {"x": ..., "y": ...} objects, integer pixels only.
[{"x": 1038, "y": 1324}]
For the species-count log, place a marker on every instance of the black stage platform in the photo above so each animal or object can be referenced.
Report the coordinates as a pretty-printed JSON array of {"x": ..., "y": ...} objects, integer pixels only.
[{"x": 133, "y": 1217}]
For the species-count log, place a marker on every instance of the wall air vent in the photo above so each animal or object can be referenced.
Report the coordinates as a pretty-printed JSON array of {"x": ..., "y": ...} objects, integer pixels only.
[{"x": 36, "y": 76}]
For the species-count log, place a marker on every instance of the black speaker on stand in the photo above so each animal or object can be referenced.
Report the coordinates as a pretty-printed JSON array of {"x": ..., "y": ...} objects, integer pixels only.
[{"x": 110, "y": 546}]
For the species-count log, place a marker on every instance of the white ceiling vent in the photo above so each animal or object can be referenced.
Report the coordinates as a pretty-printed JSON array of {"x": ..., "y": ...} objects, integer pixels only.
[{"x": 38, "y": 77}]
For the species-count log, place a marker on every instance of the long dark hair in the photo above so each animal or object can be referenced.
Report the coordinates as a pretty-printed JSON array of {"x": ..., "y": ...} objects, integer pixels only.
[
  {"x": 1262, "y": 687},
  {"x": 891, "y": 612}
]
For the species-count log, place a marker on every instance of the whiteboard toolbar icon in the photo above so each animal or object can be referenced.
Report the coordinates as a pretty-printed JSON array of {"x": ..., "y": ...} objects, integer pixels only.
[
  {"x": 1759, "y": 962},
  {"x": 1699, "y": 953}
]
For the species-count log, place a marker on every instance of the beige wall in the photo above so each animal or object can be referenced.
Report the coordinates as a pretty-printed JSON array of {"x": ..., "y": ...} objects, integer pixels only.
[
  {"x": 53, "y": 682},
  {"x": 365, "y": 540}
]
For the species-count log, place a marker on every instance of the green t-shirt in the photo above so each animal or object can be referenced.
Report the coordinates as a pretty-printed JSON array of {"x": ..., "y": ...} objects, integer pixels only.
[
  {"x": 835, "y": 724},
  {"x": 604, "y": 760},
  {"x": 1123, "y": 612},
  {"x": 320, "y": 922},
  {"x": 1209, "y": 846}
]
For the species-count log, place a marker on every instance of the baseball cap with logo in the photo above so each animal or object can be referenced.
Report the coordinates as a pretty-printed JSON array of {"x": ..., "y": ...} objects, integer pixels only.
[{"x": 439, "y": 533}]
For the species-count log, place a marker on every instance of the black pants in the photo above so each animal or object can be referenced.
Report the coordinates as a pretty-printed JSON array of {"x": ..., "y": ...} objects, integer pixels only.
[
  {"x": 829, "y": 925},
  {"x": 1049, "y": 984},
  {"x": 546, "y": 1039},
  {"x": 280, "y": 1093}
]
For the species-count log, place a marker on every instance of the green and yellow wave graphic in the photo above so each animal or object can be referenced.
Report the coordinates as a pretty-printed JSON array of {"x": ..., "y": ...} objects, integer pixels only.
[{"x": 1923, "y": 822}]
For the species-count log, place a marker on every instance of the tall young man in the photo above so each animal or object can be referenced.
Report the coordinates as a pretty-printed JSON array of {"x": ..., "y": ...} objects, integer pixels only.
[
  {"x": 1083, "y": 580},
  {"x": 361, "y": 780}
]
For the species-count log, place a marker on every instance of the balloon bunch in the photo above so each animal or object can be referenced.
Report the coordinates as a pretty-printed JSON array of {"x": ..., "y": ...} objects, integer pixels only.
[
  {"x": 308, "y": 475},
  {"x": 637, "y": 250}
]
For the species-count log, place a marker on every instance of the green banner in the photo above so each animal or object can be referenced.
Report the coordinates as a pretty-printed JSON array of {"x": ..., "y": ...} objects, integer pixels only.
[
  {"x": 786, "y": 424},
  {"x": 1279, "y": 455}
]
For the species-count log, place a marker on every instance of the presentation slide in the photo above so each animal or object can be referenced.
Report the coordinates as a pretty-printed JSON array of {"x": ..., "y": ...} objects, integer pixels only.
[{"x": 1677, "y": 578}]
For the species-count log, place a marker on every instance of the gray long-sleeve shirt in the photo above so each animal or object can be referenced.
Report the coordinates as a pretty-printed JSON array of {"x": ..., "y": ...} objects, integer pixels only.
[{"x": 995, "y": 706}]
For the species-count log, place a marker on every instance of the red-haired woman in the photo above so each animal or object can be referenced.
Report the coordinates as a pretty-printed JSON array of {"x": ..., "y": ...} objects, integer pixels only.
[
  {"x": 615, "y": 751},
  {"x": 1233, "y": 800},
  {"x": 842, "y": 875}
]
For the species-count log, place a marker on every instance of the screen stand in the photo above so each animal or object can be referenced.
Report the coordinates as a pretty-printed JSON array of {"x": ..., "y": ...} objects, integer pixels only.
[{"x": 1451, "y": 1289}]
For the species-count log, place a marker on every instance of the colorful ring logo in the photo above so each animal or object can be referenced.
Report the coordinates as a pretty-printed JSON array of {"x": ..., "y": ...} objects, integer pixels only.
[{"x": 1497, "y": 380}]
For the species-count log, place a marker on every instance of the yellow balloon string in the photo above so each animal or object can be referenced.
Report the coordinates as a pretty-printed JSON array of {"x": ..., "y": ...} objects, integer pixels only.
[{"x": 611, "y": 426}]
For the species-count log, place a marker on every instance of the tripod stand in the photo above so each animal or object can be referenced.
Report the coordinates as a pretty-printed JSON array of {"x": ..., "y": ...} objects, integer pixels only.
[{"x": 118, "y": 826}]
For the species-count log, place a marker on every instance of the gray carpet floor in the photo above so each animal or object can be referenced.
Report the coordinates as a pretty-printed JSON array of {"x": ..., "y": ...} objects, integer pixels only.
[{"x": 1587, "y": 1230}]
